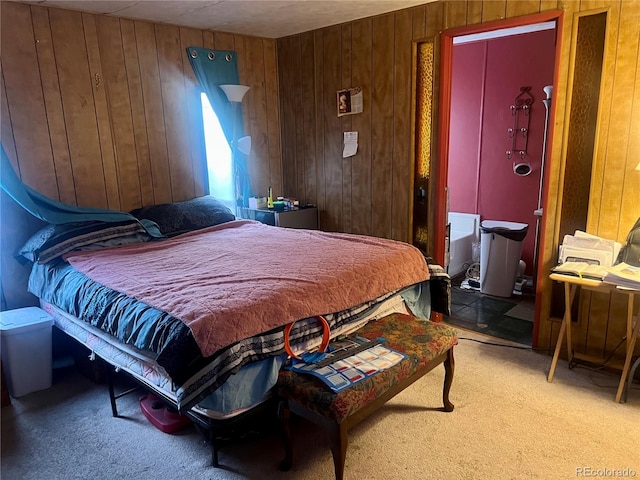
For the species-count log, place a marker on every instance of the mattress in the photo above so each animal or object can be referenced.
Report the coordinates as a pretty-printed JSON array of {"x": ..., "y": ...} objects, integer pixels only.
[
  {"x": 164, "y": 345},
  {"x": 245, "y": 389}
]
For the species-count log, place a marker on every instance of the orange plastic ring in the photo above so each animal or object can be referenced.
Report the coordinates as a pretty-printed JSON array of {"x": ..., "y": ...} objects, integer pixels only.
[{"x": 323, "y": 345}]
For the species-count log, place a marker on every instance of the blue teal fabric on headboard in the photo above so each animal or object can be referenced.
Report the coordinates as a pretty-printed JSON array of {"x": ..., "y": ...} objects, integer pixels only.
[{"x": 52, "y": 211}]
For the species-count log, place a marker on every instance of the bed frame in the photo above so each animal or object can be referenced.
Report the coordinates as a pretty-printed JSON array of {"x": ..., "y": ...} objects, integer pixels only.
[{"x": 214, "y": 430}]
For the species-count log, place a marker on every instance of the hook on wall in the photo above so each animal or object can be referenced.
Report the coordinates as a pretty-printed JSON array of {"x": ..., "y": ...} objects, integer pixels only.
[{"x": 520, "y": 129}]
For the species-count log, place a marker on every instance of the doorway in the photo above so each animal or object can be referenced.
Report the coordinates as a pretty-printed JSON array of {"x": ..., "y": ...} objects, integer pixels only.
[{"x": 486, "y": 169}]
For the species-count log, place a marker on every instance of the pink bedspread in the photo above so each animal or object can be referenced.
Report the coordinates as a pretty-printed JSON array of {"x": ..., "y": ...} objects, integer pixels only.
[{"x": 241, "y": 278}]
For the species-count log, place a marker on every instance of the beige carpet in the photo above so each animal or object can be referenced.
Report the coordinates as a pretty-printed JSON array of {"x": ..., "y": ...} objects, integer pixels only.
[{"x": 509, "y": 423}]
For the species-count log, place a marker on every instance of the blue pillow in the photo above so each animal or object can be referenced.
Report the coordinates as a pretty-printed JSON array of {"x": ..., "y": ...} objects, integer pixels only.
[{"x": 53, "y": 241}]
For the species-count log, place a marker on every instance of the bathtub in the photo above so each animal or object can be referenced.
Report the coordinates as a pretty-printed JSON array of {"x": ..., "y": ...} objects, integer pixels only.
[{"x": 463, "y": 233}]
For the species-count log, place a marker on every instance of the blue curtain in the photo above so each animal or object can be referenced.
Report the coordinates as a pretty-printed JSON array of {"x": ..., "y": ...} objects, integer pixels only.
[{"x": 220, "y": 67}]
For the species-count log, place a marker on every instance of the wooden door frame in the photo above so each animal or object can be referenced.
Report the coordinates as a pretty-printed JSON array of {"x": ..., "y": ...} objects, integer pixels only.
[{"x": 444, "y": 125}]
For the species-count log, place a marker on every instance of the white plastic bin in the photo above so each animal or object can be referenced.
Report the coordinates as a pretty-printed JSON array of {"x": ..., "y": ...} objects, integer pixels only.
[
  {"x": 26, "y": 349},
  {"x": 500, "y": 252}
]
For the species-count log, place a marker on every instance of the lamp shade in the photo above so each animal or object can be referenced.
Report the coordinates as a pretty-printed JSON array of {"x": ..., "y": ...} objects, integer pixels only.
[
  {"x": 234, "y": 93},
  {"x": 244, "y": 144}
]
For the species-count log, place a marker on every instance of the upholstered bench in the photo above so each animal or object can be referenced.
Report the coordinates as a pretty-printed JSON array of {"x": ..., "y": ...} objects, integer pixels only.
[{"x": 426, "y": 345}]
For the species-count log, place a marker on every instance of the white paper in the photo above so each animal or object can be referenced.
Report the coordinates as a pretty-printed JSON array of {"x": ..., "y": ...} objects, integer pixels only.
[
  {"x": 350, "y": 144},
  {"x": 584, "y": 246}
]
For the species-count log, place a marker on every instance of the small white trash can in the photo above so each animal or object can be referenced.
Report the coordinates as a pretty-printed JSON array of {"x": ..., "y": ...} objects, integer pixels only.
[
  {"x": 500, "y": 252},
  {"x": 26, "y": 349}
]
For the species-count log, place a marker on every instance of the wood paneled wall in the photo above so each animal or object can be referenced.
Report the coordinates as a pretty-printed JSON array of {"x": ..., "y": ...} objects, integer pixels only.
[
  {"x": 105, "y": 112},
  {"x": 369, "y": 193}
]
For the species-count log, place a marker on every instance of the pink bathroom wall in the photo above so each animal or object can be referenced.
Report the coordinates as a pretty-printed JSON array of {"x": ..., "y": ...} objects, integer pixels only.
[
  {"x": 495, "y": 70},
  {"x": 469, "y": 61}
]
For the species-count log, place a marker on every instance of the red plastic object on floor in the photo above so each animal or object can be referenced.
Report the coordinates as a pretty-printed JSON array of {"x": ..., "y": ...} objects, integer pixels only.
[{"x": 162, "y": 417}]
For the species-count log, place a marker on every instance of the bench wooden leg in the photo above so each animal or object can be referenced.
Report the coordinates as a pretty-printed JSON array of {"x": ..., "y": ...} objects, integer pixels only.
[
  {"x": 284, "y": 415},
  {"x": 449, "y": 367},
  {"x": 339, "y": 442}
]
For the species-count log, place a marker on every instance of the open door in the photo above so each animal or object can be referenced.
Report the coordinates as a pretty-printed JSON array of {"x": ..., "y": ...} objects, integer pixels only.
[{"x": 433, "y": 85}]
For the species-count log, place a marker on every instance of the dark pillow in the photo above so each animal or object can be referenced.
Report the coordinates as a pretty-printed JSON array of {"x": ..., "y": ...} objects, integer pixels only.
[
  {"x": 53, "y": 241},
  {"x": 182, "y": 217}
]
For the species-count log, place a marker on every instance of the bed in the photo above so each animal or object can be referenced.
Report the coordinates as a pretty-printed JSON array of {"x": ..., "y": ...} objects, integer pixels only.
[{"x": 198, "y": 316}]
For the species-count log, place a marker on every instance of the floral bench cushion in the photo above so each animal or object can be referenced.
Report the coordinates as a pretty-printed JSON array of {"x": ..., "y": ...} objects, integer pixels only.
[{"x": 421, "y": 340}]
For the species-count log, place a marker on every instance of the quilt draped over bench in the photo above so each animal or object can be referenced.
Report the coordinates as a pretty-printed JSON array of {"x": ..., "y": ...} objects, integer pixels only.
[{"x": 241, "y": 278}]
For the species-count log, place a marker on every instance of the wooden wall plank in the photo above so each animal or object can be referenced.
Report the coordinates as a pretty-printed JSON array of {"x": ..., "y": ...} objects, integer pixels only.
[
  {"x": 593, "y": 324},
  {"x": 287, "y": 49},
  {"x": 517, "y": 8},
  {"x": 616, "y": 213},
  {"x": 346, "y": 124},
  {"x": 493, "y": 10},
  {"x": 259, "y": 162},
  {"x": 402, "y": 163},
  {"x": 102, "y": 114},
  {"x": 615, "y": 327},
  {"x": 175, "y": 113},
  {"x": 138, "y": 119},
  {"x": 6, "y": 127},
  {"x": 53, "y": 104},
  {"x": 307, "y": 104},
  {"x": 117, "y": 98},
  {"x": 382, "y": 126},
  {"x": 274, "y": 154},
  {"x": 332, "y": 82},
  {"x": 208, "y": 40},
  {"x": 245, "y": 70},
  {"x": 474, "y": 12},
  {"x": 25, "y": 100},
  {"x": 224, "y": 41},
  {"x": 624, "y": 84},
  {"x": 549, "y": 5},
  {"x": 319, "y": 120},
  {"x": 361, "y": 165},
  {"x": 629, "y": 210},
  {"x": 419, "y": 27},
  {"x": 153, "y": 110},
  {"x": 76, "y": 87},
  {"x": 455, "y": 13},
  {"x": 295, "y": 129},
  {"x": 435, "y": 18}
]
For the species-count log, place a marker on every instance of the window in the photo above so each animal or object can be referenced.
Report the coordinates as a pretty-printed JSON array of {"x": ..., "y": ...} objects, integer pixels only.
[{"x": 219, "y": 162}]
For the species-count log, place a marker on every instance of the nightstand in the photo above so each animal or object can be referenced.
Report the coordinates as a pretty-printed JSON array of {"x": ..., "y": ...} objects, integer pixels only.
[{"x": 304, "y": 217}]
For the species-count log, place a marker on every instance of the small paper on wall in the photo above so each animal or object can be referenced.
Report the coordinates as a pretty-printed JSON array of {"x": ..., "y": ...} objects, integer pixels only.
[{"x": 350, "y": 144}]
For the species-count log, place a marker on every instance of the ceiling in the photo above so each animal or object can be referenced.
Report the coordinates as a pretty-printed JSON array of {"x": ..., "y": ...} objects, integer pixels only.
[{"x": 260, "y": 18}]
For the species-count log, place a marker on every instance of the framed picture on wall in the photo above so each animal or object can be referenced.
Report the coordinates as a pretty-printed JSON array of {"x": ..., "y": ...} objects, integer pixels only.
[{"x": 349, "y": 101}]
